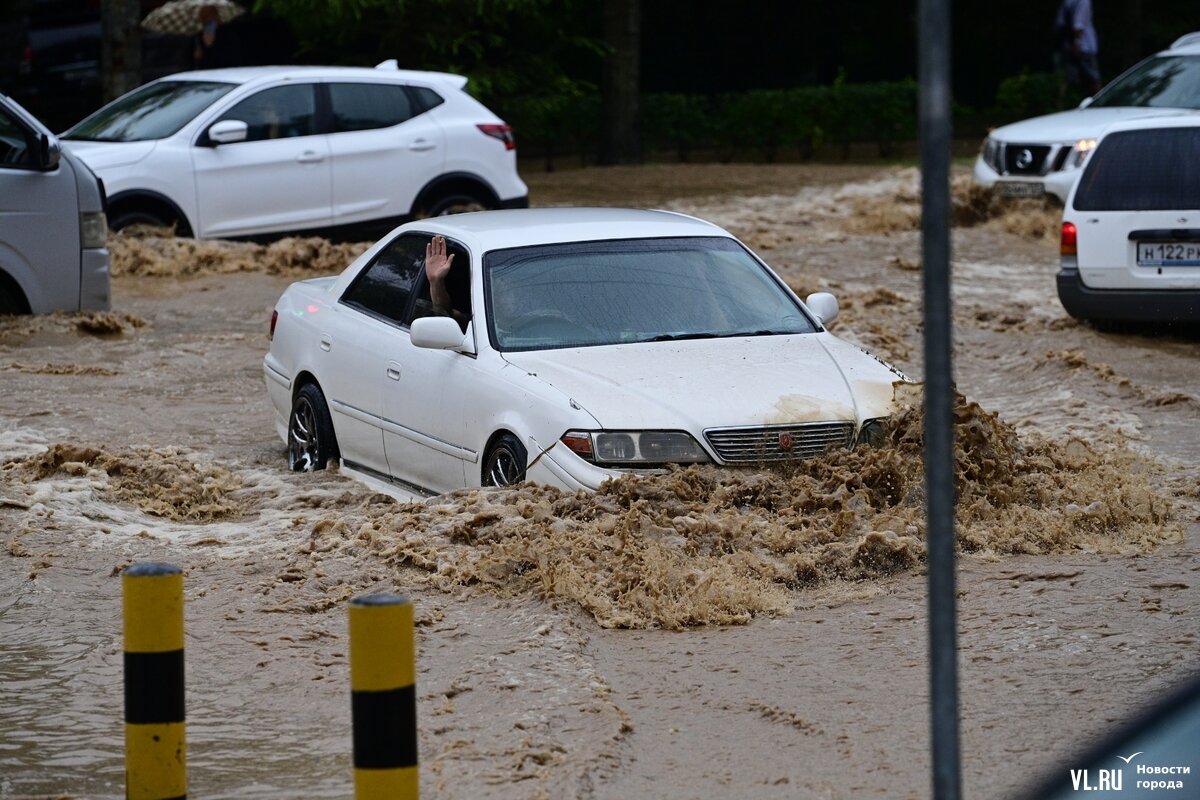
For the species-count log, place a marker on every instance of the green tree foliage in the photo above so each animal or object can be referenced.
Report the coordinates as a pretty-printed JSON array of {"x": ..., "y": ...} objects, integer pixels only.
[{"x": 507, "y": 48}]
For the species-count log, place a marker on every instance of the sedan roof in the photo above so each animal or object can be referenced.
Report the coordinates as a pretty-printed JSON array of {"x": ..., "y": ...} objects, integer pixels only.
[{"x": 493, "y": 230}]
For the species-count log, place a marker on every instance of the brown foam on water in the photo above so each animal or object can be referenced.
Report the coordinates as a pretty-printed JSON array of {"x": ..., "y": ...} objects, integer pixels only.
[
  {"x": 719, "y": 546},
  {"x": 97, "y": 323},
  {"x": 972, "y": 205},
  {"x": 161, "y": 254},
  {"x": 163, "y": 482},
  {"x": 60, "y": 369}
]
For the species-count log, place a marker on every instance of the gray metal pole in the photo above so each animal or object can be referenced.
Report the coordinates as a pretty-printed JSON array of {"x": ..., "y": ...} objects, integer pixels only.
[{"x": 934, "y": 112}]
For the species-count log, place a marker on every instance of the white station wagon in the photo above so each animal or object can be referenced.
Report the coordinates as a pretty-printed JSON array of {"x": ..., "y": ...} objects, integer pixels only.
[
  {"x": 1131, "y": 228},
  {"x": 584, "y": 343}
]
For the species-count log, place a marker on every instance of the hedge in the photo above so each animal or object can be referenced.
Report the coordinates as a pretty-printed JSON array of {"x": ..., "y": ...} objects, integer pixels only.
[{"x": 761, "y": 124}]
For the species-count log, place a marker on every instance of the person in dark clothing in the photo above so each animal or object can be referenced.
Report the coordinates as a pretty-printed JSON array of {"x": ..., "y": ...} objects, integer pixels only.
[{"x": 1076, "y": 48}]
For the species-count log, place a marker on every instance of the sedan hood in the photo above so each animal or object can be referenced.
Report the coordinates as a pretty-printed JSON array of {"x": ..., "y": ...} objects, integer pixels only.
[
  {"x": 709, "y": 383},
  {"x": 1078, "y": 123},
  {"x": 105, "y": 155}
]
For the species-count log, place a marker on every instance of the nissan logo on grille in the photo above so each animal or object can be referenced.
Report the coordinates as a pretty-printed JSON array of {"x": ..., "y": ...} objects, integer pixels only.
[{"x": 1025, "y": 158}]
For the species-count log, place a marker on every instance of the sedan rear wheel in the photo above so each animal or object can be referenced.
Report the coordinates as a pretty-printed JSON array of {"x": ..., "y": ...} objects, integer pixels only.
[
  {"x": 311, "y": 441},
  {"x": 505, "y": 462}
]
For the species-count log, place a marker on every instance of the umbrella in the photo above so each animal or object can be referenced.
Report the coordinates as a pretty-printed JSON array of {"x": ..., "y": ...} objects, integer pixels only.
[{"x": 183, "y": 16}]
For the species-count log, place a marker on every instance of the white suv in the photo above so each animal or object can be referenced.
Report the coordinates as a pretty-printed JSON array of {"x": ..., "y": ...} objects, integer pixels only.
[
  {"x": 1044, "y": 154},
  {"x": 1131, "y": 226},
  {"x": 265, "y": 150}
]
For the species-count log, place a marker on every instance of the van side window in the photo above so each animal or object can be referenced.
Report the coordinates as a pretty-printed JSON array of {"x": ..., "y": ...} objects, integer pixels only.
[{"x": 15, "y": 150}]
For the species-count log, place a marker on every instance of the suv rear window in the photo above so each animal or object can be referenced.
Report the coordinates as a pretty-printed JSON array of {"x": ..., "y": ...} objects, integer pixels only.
[{"x": 1146, "y": 170}]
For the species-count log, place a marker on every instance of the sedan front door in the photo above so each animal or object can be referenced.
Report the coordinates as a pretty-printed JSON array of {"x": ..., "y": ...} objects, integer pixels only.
[{"x": 278, "y": 179}]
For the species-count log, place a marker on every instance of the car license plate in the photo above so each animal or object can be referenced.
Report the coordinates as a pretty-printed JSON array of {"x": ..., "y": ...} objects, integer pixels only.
[
  {"x": 1019, "y": 188},
  {"x": 1168, "y": 254}
]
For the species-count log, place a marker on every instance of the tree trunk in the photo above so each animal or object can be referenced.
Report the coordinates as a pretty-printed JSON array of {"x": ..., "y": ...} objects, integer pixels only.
[
  {"x": 121, "y": 48},
  {"x": 620, "y": 140}
]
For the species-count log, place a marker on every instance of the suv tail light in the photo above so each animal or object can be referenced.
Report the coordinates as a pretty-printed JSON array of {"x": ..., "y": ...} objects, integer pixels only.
[
  {"x": 1068, "y": 245},
  {"x": 502, "y": 132},
  {"x": 274, "y": 319}
]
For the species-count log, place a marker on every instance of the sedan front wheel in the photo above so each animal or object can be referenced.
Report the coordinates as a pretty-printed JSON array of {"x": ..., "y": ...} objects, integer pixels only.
[
  {"x": 311, "y": 441},
  {"x": 505, "y": 462}
]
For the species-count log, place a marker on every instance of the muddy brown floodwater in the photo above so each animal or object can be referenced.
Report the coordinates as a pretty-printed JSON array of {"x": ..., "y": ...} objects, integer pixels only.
[{"x": 704, "y": 633}]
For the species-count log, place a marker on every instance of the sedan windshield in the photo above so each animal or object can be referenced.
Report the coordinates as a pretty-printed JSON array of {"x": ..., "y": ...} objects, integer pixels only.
[
  {"x": 1163, "y": 82},
  {"x": 154, "y": 111},
  {"x": 633, "y": 290}
]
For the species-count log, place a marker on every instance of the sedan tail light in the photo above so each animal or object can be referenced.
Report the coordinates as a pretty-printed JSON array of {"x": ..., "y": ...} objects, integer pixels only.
[
  {"x": 502, "y": 132},
  {"x": 1068, "y": 245}
]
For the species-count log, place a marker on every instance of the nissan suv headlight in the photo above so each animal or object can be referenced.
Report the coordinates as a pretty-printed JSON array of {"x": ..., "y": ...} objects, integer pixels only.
[
  {"x": 1079, "y": 152},
  {"x": 991, "y": 153},
  {"x": 635, "y": 448}
]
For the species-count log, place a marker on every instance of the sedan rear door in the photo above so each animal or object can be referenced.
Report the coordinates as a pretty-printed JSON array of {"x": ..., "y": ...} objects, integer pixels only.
[{"x": 278, "y": 179}]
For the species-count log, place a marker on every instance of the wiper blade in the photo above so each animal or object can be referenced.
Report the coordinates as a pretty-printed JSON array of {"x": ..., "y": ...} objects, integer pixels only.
[{"x": 677, "y": 337}]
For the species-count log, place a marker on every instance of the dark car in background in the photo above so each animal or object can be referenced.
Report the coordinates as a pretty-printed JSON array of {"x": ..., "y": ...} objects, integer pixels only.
[{"x": 50, "y": 54}]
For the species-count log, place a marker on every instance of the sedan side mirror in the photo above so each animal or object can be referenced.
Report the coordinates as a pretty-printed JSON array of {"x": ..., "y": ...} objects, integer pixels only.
[
  {"x": 438, "y": 333},
  {"x": 1085, "y": 102},
  {"x": 824, "y": 305},
  {"x": 228, "y": 131}
]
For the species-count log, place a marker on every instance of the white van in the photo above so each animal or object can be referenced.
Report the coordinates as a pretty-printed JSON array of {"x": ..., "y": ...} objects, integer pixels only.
[
  {"x": 1131, "y": 227},
  {"x": 53, "y": 254}
]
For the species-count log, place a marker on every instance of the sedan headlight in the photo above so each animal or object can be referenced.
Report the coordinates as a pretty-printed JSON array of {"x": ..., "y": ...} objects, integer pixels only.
[
  {"x": 635, "y": 448},
  {"x": 873, "y": 433},
  {"x": 93, "y": 230},
  {"x": 1079, "y": 152}
]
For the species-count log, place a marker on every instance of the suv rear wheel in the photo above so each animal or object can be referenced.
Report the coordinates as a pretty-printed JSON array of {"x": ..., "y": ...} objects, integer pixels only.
[{"x": 454, "y": 203}]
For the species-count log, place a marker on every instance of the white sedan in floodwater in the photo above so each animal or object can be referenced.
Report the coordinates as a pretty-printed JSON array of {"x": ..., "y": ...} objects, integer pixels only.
[{"x": 575, "y": 345}]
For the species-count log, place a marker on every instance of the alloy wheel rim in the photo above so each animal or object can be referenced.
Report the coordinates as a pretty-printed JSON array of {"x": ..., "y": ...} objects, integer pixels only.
[
  {"x": 302, "y": 438},
  {"x": 504, "y": 468}
]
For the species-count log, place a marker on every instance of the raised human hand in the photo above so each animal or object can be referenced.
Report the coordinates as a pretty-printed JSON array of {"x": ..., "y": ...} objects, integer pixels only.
[{"x": 437, "y": 263}]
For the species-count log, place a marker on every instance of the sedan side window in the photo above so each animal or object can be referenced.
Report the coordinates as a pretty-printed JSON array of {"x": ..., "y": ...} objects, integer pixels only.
[
  {"x": 15, "y": 151},
  {"x": 383, "y": 289},
  {"x": 458, "y": 286},
  {"x": 366, "y": 106},
  {"x": 277, "y": 113}
]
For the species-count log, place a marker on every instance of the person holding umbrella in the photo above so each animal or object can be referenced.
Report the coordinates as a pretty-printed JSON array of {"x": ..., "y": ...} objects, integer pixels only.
[
  {"x": 206, "y": 40},
  {"x": 200, "y": 19}
]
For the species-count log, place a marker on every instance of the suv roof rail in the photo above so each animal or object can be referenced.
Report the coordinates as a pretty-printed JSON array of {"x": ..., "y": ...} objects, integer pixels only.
[{"x": 1186, "y": 40}]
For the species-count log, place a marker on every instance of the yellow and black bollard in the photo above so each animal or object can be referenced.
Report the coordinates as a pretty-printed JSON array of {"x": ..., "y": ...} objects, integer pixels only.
[
  {"x": 155, "y": 739},
  {"x": 383, "y": 698}
]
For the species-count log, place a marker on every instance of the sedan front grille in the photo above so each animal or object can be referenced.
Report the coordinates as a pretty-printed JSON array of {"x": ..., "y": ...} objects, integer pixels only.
[{"x": 778, "y": 442}]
